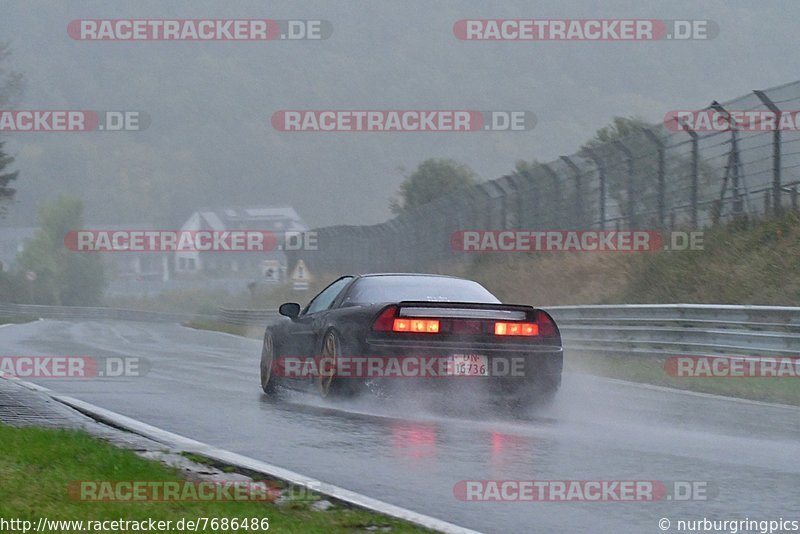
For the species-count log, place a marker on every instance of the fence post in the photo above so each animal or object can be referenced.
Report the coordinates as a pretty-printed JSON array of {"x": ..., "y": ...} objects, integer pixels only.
[
  {"x": 777, "y": 207},
  {"x": 535, "y": 207},
  {"x": 695, "y": 172},
  {"x": 556, "y": 186},
  {"x": 510, "y": 191},
  {"x": 601, "y": 174},
  {"x": 579, "y": 218},
  {"x": 661, "y": 178},
  {"x": 732, "y": 168},
  {"x": 629, "y": 182},
  {"x": 515, "y": 181}
]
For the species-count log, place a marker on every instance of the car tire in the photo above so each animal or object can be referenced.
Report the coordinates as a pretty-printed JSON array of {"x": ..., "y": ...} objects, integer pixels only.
[
  {"x": 269, "y": 382},
  {"x": 328, "y": 383}
]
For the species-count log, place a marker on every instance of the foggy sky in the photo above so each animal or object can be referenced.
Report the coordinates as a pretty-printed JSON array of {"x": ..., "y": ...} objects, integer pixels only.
[{"x": 211, "y": 102}]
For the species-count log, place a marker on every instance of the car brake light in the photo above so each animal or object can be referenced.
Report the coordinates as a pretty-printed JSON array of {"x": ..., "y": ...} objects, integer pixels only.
[
  {"x": 430, "y": 326},
  {"x": 385, "y": 320},
  {"x": 547, "y": 327},
  {"x": 516, "y": 329}
]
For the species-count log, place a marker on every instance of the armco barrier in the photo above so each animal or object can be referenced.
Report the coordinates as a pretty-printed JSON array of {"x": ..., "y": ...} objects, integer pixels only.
[
  {"x": 98, "y": 313},
  {"x": 645, "y": 329},
  {"x": 247, "y": 317},
  {"x": 654, "y": 329},
  {"x": 676, "y": 329}
]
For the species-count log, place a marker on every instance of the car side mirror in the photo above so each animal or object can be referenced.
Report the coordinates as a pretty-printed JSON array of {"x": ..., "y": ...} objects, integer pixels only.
[{"x": 290, "y": 310}]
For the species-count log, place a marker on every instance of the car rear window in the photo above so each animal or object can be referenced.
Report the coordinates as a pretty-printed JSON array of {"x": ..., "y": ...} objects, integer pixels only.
[{"x": 378, "y": 289}]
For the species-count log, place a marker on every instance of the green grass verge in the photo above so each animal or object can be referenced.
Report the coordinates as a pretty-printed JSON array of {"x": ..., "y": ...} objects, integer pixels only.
[
  {"x": 37, "y": 466},
  {"x": 650, "y": 370},
  {"x": 744, "y": 262}
]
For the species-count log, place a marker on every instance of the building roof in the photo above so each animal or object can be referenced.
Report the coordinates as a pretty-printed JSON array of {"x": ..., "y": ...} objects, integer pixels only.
[{"x": 273, "y": 218}]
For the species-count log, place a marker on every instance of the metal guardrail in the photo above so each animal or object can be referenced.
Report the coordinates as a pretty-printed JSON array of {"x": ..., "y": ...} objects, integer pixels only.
[
  {"x": 247, "y": 317},
  {"x": 97, "y": 313},
  {"x": 644, "y": 329},
  {"x": 680, "y": 329},
  {"x": 653, "y": 329}
]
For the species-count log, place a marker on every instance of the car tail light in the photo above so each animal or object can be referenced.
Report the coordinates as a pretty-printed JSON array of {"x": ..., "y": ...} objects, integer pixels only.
[
  {"x": 516, "y": 329},
  {"x": 428, "y": 326},
  {"x": 385, "y": 320},
  {"x": 547, "y": 328}
]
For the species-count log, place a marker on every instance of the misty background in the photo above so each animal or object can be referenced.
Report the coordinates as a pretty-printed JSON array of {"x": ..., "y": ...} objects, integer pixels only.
[{"x": 210, "y": 142}]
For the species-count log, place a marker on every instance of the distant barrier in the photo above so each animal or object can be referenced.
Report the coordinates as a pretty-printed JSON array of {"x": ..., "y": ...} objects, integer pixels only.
[
  {"x": 653, "y": 329},
  {"x": 96, "y": 313},
  {"x": 247, "y": 317},
  {"x": 644, "y": 329},
  {"x": 677, "y": 329}
]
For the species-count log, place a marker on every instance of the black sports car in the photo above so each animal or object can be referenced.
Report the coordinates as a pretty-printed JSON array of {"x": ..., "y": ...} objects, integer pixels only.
[{"x": 364, "y": 332}]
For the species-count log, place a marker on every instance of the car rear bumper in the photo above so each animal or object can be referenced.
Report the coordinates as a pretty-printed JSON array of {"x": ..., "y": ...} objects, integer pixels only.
[{"x": 514, "y": 371}]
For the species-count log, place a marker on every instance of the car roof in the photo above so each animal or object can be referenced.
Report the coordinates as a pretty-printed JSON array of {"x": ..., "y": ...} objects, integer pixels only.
[{"x": 370, "y": 275}]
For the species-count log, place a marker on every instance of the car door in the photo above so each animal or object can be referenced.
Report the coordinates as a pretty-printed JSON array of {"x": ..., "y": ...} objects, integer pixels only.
[{"x": 305, "y": 331}]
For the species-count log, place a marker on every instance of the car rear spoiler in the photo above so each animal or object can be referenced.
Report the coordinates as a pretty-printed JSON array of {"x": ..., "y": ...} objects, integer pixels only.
[{"x": 466, "y": 310}]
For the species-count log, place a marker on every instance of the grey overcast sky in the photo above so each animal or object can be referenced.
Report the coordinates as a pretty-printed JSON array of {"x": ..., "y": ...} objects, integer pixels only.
[{"x": 211, "y": 142}]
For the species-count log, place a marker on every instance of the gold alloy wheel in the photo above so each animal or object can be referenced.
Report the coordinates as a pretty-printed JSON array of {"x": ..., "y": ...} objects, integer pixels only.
[
  {"x": 327, "y": 363},
  {"x": 266, "y": 370}
]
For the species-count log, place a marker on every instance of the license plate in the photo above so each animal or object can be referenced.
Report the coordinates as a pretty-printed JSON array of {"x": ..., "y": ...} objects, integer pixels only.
[{"x": 468, "y": 365}]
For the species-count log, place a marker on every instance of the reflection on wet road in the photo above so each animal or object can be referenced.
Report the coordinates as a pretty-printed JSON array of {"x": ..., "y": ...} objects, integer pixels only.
[{"x": 204, "y": 385}]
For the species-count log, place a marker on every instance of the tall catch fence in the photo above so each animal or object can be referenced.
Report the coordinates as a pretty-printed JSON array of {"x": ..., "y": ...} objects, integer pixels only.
[{"x": 671, "y": 175}]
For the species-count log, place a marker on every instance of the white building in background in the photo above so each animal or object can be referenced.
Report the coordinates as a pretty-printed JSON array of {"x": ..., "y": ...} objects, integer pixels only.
[
  {"x": 265, "y": 266},
  {"x": 145, "y": 273}
]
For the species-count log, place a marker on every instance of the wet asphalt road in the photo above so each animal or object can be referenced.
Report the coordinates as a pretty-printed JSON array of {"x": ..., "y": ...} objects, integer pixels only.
[{"x": 204, "y": 385}]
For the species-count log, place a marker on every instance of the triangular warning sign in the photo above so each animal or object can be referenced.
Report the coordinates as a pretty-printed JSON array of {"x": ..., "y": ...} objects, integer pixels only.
[{"x": 300, "y": 273}]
